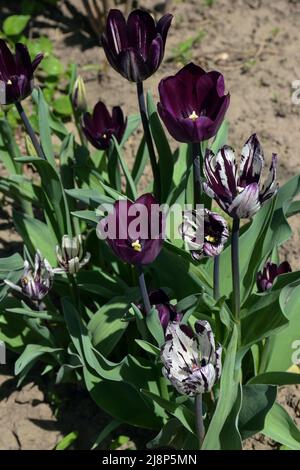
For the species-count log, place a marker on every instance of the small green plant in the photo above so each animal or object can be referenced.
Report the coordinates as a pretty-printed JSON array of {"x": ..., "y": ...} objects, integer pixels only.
[{"x": 183, "y": 52}]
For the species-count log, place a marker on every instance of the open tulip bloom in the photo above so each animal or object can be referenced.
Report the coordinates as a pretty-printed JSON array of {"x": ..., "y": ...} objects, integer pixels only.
[
  {"x": 192, "y": 361},
  {"x": 101, "y": 125},
  {"x": 16, "y": 73},
  {"x": 193, "y": 104},
  {"x": 235, "y": 188},
  {"x": 135, "y": 48},
  {"x": 265, "y": 279},
  {"x": 34, "y": 284},
  {"x": 130, "y": 232},
  {"x": 70, "y": 255}
]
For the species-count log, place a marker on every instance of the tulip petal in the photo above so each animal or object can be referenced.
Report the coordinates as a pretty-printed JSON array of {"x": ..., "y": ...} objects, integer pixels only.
[
  {"x": 252, "y": 162},
  {"x": 132, "y": 65},
  {"x": 23, "y": 61},
  {"x": 270, "y": 187},
  {"x": 7, "y": 62},
  {"x": 155, "y": 54},
  {"x": 116, "y": 31},
  {"x": 246, "y": 204},
  {"x": 36, "y": 61},
  {"x": 163, "y": 26},
  {"x": 140, "y": 31},
  {"x": 101, "y": 117}
]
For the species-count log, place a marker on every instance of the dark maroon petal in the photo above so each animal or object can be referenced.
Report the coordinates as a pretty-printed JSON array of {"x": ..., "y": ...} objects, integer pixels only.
[
  {"x": 111, "y": 55},
  {"x": 140, "y": 31},
  {"x": 119, "y": 123},
  {"x": 163, "y": 26},
  {"x": 155, "y": 54},
  {"x": 180, "y": 130},
  {"x": 116, "y": 31},
  {"x": 158, "y": 297},
  {"x": 284, "y": 268},
  {"x": 23, "y": 61},
  {"x": 132, "y": 66},
  {"x": 36, "y": 61},
  {"x": 7, "y": 62},
  {"x": 101, "y": 117},
  {"x": 178, "y": 93}
]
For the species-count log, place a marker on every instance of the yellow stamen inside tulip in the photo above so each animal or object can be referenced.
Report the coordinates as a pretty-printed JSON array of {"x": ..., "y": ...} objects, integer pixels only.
[
  {"x": 193, "y": 116},
  {"x": 25, "y": 281},
  {"x": 136, "y": 246},
  {"x": 210, "y": 239},
  {"x": 9, "y": 82},
  {"x": 104, "y": 136}
]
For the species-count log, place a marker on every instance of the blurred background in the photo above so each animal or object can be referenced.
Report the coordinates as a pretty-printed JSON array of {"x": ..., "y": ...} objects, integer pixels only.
[{"x": 254, "y": 43}]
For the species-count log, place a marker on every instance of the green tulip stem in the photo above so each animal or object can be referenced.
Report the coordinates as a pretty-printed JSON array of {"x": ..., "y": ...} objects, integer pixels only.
[
  {"x": 197, "y": 163},
  {"x": 235, "y": 268},
  {"x": 30, "y": 131},
  {"x": 143, "y": 289},
  {"x": 199, "y": 419},
  {"x": 148, "y": 139}
]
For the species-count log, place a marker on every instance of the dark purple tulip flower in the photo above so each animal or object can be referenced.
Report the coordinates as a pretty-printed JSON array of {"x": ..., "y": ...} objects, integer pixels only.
[
  {"x": 166, "y": 312},
  {"x": 236, "y": 188},
  {"x": 135, "y": 48},
  {"x": 134, "y": 231},
  {"x": 204, "y": 232},
  {"x": 192, "y": 103},
  {"x": 265, "y": 279},
  {"x": 100, "y": 126},
  {"x": 16, "y": 73}
]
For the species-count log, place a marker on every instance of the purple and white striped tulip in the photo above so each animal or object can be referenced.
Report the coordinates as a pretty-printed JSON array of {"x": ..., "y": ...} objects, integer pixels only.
[
  {"x": 34, "y": 284},
  {"x": 70, "y": 255},
  {"x": 236, "y": 188},
  {"x": 192, "y": 360},
  {"x": 204, "y": 233}
]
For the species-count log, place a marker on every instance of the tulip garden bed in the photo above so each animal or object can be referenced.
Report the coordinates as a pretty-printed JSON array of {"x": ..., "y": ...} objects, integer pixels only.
[{"x": 101, "y": 319}]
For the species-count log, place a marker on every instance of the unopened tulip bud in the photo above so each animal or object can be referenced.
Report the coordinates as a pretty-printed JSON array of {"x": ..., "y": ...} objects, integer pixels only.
[{"x": 79, "y": 96}]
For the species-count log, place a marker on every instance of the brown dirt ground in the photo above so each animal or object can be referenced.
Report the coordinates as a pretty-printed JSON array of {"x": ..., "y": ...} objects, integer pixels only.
[{"x": 255, "y": 43}]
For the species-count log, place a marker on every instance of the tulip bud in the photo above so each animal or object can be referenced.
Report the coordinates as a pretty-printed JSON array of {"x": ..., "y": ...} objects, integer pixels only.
[
  {"x": 79, "y": 100},
  {"x": 70, "y": 255}
]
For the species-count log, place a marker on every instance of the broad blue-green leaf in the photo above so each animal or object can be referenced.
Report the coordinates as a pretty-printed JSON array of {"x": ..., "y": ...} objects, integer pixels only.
[
  {"x": 30, "y": 354},
  {"x": 149, "y": 348},
  {"x": 154, "y": 326},
  {"x": 280, "y": 427},
  {"x": 258, "y": 399},
  {"x": 276, "y": 378},
  {"x": 284, "y": 345},
  {"x": 107, "y": 325},
  {"x": 227, "y": 397},
  {"x": 133, "y": 123},
  {"x": 36, "y": 235},
  {"x": 265, "y": 314}
]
